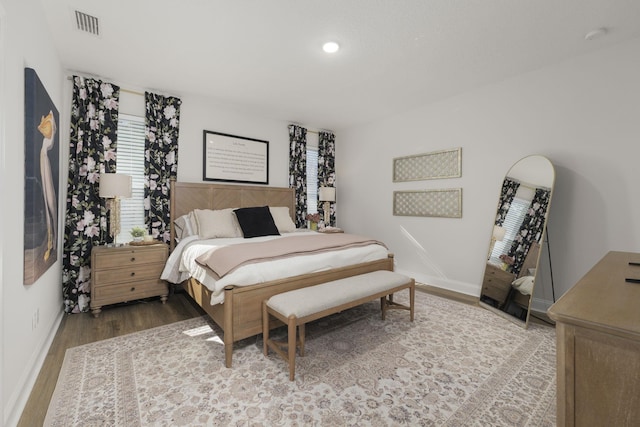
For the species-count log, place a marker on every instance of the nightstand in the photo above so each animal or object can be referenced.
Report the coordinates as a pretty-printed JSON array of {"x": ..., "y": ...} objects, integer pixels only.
[
  {"x": 497, "y": 284},
  {"x": 127, "y": 273}
]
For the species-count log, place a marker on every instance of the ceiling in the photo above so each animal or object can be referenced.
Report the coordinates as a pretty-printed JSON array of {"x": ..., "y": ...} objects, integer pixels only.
[{"x": 265, "y": 57}]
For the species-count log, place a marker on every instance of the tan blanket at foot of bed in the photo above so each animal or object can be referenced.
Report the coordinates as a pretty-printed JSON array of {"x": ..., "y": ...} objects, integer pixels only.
[{"x": 221, "y": 261}]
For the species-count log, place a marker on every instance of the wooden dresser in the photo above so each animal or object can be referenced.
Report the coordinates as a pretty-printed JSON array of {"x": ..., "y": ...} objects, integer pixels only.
[
  {"x": 127, "y": 273},
  {"x": 497, "y": 284},
  {"x": 598, "y": 346}
]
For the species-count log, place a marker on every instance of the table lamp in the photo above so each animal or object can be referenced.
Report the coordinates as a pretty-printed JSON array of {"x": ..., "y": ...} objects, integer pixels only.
[
  {"x": 113, "y": 186},
  {"x": 327, "y": 195},
  {"x": 496, "y": 236}
]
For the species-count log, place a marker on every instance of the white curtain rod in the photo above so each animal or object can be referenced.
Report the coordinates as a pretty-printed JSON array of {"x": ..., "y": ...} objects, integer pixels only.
[
  {"x": 317, "y": 132},
  {"x": 135, "y": 92}
]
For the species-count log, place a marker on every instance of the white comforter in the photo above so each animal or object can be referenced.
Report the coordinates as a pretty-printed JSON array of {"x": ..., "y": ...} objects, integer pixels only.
[{"x": 182, "y": 265}]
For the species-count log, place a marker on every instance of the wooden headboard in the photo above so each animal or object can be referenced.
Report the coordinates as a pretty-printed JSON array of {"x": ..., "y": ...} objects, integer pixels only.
[{"x": 187, "y": 196}]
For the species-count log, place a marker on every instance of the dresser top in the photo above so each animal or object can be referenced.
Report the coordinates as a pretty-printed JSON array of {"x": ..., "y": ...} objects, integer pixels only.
[{"x": 602, "y": 299}]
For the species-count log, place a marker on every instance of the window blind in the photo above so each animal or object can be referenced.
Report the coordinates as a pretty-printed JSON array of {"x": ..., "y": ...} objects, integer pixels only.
[
  {"x": 130, "y": 161},
  {"x": 312, "y": 180},
  {"x": 512, "y": 223}
]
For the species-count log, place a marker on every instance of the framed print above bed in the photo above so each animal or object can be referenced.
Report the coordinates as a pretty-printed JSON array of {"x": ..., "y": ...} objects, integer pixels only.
[{"x": 233, "y": 158}]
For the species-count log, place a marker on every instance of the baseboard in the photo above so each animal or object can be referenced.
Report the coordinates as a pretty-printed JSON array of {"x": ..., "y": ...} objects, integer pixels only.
[
  {"x": 17, "y": 402},
  {"x": 446, "y": 293},
  {"x": 468, "y": 289}
]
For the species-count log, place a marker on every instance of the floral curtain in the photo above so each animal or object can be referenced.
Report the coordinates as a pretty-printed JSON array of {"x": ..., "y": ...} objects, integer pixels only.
[
  {"x": 509, "y": 189},
  {"x": 298, "y": 171},
  {"x": 531, "y": 229},
  {"x": 162, "y": 122},
  {"x": 327, "y": 169},
  {"x": 92, "y": 150}
]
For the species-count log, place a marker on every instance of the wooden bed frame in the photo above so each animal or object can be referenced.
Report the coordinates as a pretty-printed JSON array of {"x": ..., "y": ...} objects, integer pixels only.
[{"x": 240, "y": 316}]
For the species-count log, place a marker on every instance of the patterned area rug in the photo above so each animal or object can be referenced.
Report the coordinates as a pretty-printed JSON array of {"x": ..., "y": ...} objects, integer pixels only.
[{"x": 456, "y": 365}]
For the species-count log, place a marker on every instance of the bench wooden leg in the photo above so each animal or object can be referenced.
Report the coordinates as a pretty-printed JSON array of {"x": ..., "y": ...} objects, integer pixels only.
[
  {"x": 292, "y": 346},
  {"x": 412, "y": 299},
  {"x": 265, "y": 328},
  {"x": 301, "y": 332}
]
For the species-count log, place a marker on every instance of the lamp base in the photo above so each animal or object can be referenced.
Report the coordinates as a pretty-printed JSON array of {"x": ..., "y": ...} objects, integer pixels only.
[{"x": 327, "y": 213}]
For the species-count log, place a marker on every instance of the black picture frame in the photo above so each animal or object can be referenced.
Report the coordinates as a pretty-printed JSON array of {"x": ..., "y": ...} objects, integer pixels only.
[{"x": 233, "y": 158}]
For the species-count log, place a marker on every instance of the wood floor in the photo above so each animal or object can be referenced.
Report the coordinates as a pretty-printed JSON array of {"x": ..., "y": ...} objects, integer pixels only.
[{"x": 79, "y": 329}]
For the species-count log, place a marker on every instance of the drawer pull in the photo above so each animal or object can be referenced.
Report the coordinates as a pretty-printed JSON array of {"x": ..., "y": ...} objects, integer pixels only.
[
  {"x": 133, "y": 259},
  {"x": 133, "y": 288},
  {"x": 133, "y": 273}
]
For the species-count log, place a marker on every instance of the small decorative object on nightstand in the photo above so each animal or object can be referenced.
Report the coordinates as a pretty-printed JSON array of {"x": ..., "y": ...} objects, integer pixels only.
[
  {"x": 127, "y": 273},
  {"x": 331, "y": 230}
]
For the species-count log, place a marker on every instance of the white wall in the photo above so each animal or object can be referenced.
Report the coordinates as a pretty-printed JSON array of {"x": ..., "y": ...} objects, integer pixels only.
[
  {"x": 583, "y": 114},
  {"x": 28, "y": 45},
  {"x": 198, "y": 114}
]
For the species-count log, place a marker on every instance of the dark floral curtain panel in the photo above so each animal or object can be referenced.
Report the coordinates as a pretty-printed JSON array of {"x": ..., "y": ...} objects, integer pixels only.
[
  {"x": 92, "y": 150},
  {"x": 508, "y": 192},
  {"x": 298, "y": 171},
  {"x": 531, "y": 229},
  {"x": 327, "y": 169},
  {"x": 162, "y": 124}
]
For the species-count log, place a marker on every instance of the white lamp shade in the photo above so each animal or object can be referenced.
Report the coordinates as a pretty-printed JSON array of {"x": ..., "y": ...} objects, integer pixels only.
[
  {"x": 327, "y": 194},
  {"x": 114, "y": 185},
  {"x": 498, "y": 233}
]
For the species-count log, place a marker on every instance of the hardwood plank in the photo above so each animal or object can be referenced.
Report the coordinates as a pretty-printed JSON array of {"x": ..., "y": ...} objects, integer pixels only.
[{"x": 79, "y": 329}]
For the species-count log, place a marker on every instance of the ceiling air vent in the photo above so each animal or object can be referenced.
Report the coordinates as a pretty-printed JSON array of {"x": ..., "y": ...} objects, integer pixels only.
[{"x": 87, "y": 23}]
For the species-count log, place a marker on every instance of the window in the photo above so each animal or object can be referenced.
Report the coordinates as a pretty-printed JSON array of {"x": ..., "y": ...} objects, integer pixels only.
[
  {"x": 130, "y": 161},
  {"x": 512, "y": 223},
  {"x": 312, "y": 180}
]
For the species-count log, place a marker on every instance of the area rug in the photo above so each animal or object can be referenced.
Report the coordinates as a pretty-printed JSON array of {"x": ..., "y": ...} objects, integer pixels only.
[{"x": 456, "y": 365}]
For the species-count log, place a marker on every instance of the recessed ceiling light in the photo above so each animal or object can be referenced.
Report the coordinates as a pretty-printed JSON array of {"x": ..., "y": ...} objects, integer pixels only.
[
  {"x": 597, "y": 33},
  {"x": 330, "y": 47}
]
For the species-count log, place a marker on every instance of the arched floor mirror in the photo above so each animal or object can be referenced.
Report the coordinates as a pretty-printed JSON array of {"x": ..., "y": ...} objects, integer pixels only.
[{"x": 517, "y": 234}]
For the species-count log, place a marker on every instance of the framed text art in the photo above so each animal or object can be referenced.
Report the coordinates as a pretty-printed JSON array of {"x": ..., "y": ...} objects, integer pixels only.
[
  {"x": 445, "y": 203},
  {"x": 434, "y": 165},
  {"x": 42, "y": 159},
  {"x": 234, "y": 158}
]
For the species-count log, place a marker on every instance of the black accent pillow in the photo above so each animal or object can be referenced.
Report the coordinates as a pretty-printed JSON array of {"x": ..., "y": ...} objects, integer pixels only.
[{"x": 256, "y": 222}]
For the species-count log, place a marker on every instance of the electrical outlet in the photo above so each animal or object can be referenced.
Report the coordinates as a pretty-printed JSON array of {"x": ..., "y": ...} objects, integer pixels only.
[{"x": 35, "y": 319}]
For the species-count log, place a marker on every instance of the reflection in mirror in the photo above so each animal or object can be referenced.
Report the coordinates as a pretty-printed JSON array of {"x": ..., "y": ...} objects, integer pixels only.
[{"x": 517, "y": 233}]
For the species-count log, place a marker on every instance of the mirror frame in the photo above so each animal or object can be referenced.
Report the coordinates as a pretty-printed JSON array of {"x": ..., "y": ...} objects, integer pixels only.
[{"x": 502, "y": 312}]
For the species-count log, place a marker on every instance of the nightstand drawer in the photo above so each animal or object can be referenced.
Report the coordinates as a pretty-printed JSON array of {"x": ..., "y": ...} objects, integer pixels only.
[
  {"x": 129, "y": 291},
  {"x": 496, "y": 273},
  {"x": 128, "y": 273},
  {"x": 126, "y": 257}
]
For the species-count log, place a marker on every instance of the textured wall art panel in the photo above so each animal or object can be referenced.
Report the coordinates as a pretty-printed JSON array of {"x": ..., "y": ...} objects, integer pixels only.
[
  {"x": 434, "y": 165},
  {"x": 439, "y": 203}
]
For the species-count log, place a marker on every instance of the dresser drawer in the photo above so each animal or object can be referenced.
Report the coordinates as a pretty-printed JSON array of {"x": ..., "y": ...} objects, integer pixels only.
[
  {"x": 128, "y": 273},
  {"x": 128, "y": 257},
  {"x": 123, "y": 292}
]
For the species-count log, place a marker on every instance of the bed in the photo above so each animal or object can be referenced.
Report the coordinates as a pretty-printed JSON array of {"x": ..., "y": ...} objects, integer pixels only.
[{"x": 240, "y": 312}]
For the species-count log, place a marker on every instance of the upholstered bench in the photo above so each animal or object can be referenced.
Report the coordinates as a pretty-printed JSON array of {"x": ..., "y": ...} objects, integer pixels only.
[{"x": 298, "y": 307}]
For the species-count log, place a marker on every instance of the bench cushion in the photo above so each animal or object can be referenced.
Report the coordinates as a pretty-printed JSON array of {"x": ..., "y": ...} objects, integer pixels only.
[{"x": 313, "y": 299}]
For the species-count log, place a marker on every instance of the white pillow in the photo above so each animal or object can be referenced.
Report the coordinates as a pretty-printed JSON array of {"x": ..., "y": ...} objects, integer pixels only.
[
  {"x": 185, "y": 226},
  {"x": 217, "y": 223},
  {"x": 282, "y": 219}
]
